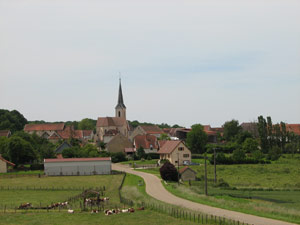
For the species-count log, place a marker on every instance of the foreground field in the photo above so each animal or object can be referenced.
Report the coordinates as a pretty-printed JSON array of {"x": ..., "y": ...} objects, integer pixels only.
[
  {"x": 47, "y": 190},
  {"x": 146, "y": 217}
]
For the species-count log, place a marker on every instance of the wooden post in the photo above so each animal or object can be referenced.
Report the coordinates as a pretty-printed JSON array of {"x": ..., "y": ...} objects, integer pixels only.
[
  {"x": 215, "y": 165},
  {"x": 205, "y": 175}
]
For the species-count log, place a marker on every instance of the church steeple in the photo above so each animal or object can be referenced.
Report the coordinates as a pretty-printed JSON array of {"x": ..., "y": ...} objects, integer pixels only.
[{"x": 120, "y": 108}]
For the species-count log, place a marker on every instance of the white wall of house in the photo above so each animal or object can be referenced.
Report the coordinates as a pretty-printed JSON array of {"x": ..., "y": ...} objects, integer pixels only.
[{"x": 77, "y": 168}]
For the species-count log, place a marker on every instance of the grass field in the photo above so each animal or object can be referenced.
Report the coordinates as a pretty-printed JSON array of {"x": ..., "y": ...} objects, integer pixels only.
[
  {"x": 270, "y": 190},
  {"x": 146, "y": 217},
  {"x": 65, "y": 187}
]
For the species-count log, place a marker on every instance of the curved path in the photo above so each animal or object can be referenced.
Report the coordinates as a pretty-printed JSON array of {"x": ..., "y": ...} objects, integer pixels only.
[{"x": 155, "y": 189}]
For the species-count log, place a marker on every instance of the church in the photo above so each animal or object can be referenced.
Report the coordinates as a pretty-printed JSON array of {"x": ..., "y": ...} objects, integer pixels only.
[{"x": 110, "y": 129}]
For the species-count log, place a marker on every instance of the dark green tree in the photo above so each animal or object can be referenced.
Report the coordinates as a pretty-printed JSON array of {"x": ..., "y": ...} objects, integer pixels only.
[
  {"x": 141, "y": 153},
  {"x": 20, "y": 151},
  {"x": 11, "y": 120},
  {"x": 87, "y": 124},
  {"x": 263, "y": 134},
  {"x": 250, "y": 145},
  {"x": 231, "y": 130},
  {"x": 196, "y": 139}
]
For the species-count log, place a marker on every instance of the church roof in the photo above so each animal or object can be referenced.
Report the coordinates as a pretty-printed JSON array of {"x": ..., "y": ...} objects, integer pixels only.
[
  {"x": 120, "y": 98},
  {"x": 111, "y": 121}
]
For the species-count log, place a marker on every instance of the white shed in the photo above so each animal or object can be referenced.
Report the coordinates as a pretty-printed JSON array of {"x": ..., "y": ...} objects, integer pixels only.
[{"x": 77, "y": 166}]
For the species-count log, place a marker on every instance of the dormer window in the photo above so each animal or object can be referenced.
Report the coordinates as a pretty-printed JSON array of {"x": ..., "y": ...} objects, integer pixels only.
[{"x": 180, "y": 148}]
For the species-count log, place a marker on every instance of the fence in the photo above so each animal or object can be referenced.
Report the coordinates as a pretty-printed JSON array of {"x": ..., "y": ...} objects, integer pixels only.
[{"x": 45, "y": 188}]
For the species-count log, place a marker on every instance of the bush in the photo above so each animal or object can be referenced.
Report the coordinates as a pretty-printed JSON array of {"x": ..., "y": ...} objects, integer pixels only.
[
  {"x": 149, "y": 157},
  {"x": 153, "y": 155},
  {"x": 168, "y": 172},
  {"x": 274, "y": 153},
  {"x": 118, "y": 157},
  {"x": 37, "y": 167}
]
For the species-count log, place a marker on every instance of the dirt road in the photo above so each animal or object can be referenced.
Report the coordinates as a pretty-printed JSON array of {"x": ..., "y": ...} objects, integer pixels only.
[{"x": 155, "y": 189}]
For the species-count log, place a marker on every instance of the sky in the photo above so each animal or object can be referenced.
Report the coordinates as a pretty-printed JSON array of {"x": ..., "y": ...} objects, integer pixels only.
[{"x": 181, "y": 62}]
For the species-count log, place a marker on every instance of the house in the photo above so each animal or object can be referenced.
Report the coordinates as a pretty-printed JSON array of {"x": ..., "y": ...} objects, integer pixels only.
[
  {"x": 5, "y": 133},
  {"x": 129, "y": 152},
  {"x": 186, "y": 174},
  {"x": 62, "y": 147},
  {"x": 58, "y": 131},
  {"x": 77, "y": 166},
  {"x": 175, "y": 151},
  {"x": 108, "y": 127},
  {"x": 293, "y": 128},
  {"x": 147, "y": 130},
  {"x": 118, "y": 144},
  {"x": 147, "y": 142},
  {"x": 4, "y": 164}
]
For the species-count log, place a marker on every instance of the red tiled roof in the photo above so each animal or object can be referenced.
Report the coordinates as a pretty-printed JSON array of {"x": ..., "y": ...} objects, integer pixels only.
[
  {"x": 161, "y": 143},
  {"x": 87, "y": 132},
  {"x": 152, "y": 129},
  {"x": 111, "y": 121},
  {"x": 46, "y": 126},
  {"x": 295, "y": 128},
  {"x": 54, "y": 136},
  {"x": 69, "y": 132},
  {"x": 4, "y": 133},
  {"x": 168, "y": 147},
  {"x": 76, "y": 160},
  {"x": 8, "y": 162},
  {"x": 145, "y": 141},
  {"x": 182, "y": 170}
]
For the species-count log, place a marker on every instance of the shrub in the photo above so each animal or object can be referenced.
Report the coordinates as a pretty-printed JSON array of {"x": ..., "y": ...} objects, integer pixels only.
[
  {"x": 274, "y": 153},
  {"x": 37, "y": 167},
  {"x": 118, "y": 157},
  {"x": 168, "y": 172}
]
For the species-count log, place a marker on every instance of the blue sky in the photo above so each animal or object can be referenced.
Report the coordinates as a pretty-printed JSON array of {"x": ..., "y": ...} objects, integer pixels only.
[{"x": 181, "y": 62}]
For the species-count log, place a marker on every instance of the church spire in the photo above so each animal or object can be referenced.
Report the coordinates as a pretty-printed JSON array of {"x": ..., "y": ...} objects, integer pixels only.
[
  {"x": 120, "y": 108},
  {"x": 120, "y": 98}
]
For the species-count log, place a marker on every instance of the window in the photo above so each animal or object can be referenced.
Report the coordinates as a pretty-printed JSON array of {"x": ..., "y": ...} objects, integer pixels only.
[
  {"x": 180, "y": 148},
  {"x": 176, "y": 161},
  {"x": 186, "y": 155},
  {"x": 119, "y": 114}
]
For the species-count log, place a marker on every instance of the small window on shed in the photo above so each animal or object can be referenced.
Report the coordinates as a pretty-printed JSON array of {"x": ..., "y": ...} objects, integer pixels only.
[{"x": 180, "y": 148}]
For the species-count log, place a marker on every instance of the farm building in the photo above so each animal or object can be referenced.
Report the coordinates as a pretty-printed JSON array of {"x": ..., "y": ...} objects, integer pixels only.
[
  {"x": 4, "y": 164},
  {"x": 187, "y": 173},
  {"x": 77, "y": 166}
]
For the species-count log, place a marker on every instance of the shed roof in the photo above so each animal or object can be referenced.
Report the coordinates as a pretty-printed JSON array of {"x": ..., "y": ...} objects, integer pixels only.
[
  {"x": 111, "y": 121},
  {"x": 152, "y": 129},
  {"x": 4, "y": 133},
  {"x": 8, "y": 162},
  {"x": 182, "y": 170},
  {"x": 146, "y": 141},
  {"x": 76, "y": 160}
]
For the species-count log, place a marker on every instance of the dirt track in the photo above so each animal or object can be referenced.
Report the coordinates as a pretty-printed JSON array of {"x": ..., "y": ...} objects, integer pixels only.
[{"x": 155, "y": 189}]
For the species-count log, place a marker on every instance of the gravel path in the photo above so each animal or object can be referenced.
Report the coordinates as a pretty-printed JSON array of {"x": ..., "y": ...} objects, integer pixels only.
[{"x": 155, "y": 189}]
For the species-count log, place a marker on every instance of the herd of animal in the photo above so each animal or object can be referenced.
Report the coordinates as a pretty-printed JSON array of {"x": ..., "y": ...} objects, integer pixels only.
[
  {"x": 52, "y": 206},
  {"x": 87, "y": 201}
]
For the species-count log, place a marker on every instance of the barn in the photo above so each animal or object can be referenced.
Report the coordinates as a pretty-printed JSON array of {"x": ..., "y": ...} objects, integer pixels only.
[{"x": 77, "y": 166}]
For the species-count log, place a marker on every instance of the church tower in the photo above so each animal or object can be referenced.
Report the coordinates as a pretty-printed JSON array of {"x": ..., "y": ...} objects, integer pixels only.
[{"x": 120, "y": 108}]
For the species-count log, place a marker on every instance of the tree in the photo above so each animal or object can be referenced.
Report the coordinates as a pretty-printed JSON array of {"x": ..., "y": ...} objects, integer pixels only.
[
  {"x": 274, "y": 153},
  {"x": 250, "y": 145},
  {"x": 73, "y": 152},
  {"x": 263, "y": 134},
  {"x": 3, "y": 146},
  {"x": 141, "y": 153},
  {"x": 231, "y": 129},
  {"x": 11, "y": 120},
  {"x": 87, "y": 124},
  {"x": 168, "y": 172},
  {"x": 196, "y": 139},
  {"x": 20, "y": 151},
  {"x": 164, "y": 136}
]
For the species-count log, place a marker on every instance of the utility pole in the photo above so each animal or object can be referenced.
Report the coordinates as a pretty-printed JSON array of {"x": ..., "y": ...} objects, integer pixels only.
[
  {"x": 205, "y": 175},
  {"x": 215, "y": 165},
  {"x": 178, "y": 166}
]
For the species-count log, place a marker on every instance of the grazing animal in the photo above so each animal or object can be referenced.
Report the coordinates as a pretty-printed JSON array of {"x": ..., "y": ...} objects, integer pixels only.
[
  {"x": 70, "y": 211},
  {"x": 25, "y": 206},
  {"x": 131, "y": 210},
  {"x": 141, "y": 208},
  {"x": 94, "y": 211}
]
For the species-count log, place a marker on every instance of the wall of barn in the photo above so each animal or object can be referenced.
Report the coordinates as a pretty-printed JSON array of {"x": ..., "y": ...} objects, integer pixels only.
[
  {"x": 77, "y": 168},
  {"x": 3, "y": 167},
  {"x": 188, "y": 175}
]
